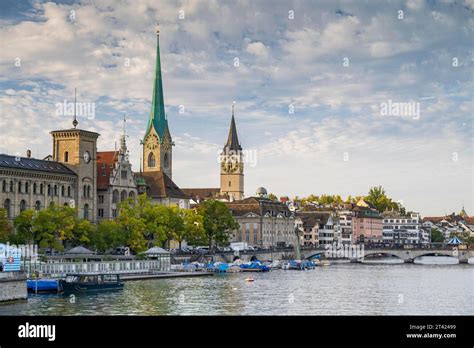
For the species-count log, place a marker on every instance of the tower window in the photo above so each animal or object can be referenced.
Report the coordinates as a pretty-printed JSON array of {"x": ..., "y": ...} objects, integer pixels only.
[
  {"x": 166, "y": 160},
  {"x": 86, "y": 211},
  {"x": 229, "y": 183},
  {"x": 66, "y": 156},
  {"x": 151, "y": 160},
  {"x": 6, "y": 206}
]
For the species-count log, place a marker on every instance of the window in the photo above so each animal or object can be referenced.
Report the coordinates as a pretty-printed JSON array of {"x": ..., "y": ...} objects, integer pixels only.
[
  {"x": 86, "y": 211},
  {"x": 41, "y": 189},
  {"x": 131, "y": 195},
  {"x": 89, "y": 191},
  {"x": 49, "y": 190},
  {"x": 69, "y": 191},
  {"x": 35, "y": 188},
  {"x": 66, "y": 156},
  {"x": 101, "y": 213},
  {"x": 19, "y": 186},
  {"x": 11, "y": 186},
  {"x": 151, "y": 160},
  {"x": 84, "y": 189},
  {"x": 123, "y": 196},
  {"x": 229, "y": 183},
  {"x": 114, "y": 213},
  {"x": 22, "y": 205},
  {"x": 123, "y": 174},
  {"x": 4, "y": 186},
  {"x": 115, "y": 196},
  {"x": 27, "y": 187},
  {"x": 38, "y": 206},
  {"x": 101, "y": 199},
  {"x": 166, "y": 160},
  {"x": 6, "y": 206},
  {"x": 55, "y": 190},
  {"x": 63, "y": 191}
]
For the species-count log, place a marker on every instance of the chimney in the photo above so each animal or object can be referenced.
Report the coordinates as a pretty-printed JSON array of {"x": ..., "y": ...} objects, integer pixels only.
[{"x": 28, "y": 153}]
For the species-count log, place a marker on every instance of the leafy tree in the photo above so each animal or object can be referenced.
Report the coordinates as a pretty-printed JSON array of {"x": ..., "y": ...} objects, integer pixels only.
[
  {"x": 6, "y": 229},
  {"x": 52, "y": 226},
  {"x": 380, "y": 200},
  {"x": 193, "y": 228},
  {"x": 107, "y": 235},
  {"x": 436, "y": 236},
  {"x": 82, "y": 232},
  {"x": 24, "y": 228},
  {"x": 133, "y": 225},
  {"x": 218, "y": 222}
]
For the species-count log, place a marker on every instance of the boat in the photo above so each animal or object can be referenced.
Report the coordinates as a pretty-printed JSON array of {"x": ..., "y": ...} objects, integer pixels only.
[
  {"x": 43, "y": 285},
  {"x": 436, "y": 260},
  {"x": 322, "y": 263},
  {"x": 90, "y": 282},
  {"x": 299, "y": 265},
  {"x": 254, "y": 266}
]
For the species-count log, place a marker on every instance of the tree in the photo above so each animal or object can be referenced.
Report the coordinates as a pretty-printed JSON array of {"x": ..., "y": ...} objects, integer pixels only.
[
  {"x": 82, "y": 232},
  {"x": 24, "y": 228},
  {"x": 133, "y": 225},
  {"x": 380, "y": 200},
  {"x": 108, "y": 235},
  {"x": 193, "y": 228},
  {"x": 52, "y": 226},
  {"x": 6, "y": 229},
  {"x": 436, "y": 236},
  {"x": 218, "y": 222},
  {"x": 273, "y": 197}
]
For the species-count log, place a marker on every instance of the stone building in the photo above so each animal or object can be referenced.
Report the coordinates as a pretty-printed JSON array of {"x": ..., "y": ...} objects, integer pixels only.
[
  {"x": 366, "y": 224},
  {"x": 115, "y": 180},
  {"x": 263, "y": 223}
]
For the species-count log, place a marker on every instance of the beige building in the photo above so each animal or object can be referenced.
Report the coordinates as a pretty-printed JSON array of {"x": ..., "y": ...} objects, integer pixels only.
[{"x": 263, "y": 223}]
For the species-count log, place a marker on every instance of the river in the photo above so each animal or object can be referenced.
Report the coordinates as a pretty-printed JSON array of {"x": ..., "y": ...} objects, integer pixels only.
[{"x": 340, "y": 289}]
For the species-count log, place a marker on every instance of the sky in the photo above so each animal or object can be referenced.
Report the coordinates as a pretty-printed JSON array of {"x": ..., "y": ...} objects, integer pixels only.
[{"x": 321, "y": 89}]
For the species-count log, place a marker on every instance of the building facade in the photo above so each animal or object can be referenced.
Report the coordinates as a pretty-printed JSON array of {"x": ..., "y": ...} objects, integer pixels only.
[
  {"x": 401, "y": 230},
  {"x": 366, "y": 224},
  {"x": 263, "y": 223}
]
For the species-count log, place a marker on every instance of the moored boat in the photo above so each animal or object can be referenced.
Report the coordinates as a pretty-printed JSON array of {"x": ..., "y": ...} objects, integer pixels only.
[
  {"x": 90, "y": 282},
  {"x": 43, "y": 285},
  {"x": 436, "y": 260}
]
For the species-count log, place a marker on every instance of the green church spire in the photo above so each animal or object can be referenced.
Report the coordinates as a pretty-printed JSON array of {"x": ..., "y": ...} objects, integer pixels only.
[{"x": 157, "y": 118}]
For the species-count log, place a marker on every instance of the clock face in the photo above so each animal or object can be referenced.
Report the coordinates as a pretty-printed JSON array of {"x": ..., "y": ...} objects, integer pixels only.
[
  {"x": 230, "y": 167},
  {"x": 87, "y": 157},
  {"x": 152, "y": 142}
]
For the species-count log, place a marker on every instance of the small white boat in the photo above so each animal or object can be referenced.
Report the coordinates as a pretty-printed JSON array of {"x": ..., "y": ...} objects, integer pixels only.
[{"x": 436, "y": 260}]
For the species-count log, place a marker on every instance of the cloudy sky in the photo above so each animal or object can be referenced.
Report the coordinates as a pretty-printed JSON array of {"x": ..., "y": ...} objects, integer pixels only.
[{"x": 310, "y": 80}]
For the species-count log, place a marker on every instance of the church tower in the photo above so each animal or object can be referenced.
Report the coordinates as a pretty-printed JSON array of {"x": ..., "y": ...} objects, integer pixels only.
[
  {"x": 232, "y": 165},
  {"x": 77, "y": 149},
  {"x": 157, "y": 142}
]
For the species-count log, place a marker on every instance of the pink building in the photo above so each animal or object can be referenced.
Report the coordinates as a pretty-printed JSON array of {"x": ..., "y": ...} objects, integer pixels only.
[{"x": 367, "y": 225}]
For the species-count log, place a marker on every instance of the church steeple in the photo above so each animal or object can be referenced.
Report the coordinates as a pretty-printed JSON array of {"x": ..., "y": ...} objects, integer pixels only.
[
  {"x": 157, "y": 119},
  {"x": 232, "y": 138}
]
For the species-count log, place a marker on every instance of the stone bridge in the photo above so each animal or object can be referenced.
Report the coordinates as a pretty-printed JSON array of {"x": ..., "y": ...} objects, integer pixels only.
[{"x": 407, "y": 255}]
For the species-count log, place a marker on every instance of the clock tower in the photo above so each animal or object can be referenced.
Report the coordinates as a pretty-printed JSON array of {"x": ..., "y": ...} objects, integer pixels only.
[
  {"x": 232, "y": 165},
  {"x": 157, "y": 142},
  {"x": 77, "y": 149}
]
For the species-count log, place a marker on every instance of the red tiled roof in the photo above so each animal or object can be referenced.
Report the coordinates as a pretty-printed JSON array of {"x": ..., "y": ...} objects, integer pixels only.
[
  {"x": 105, "y": 164},
  {"x": 160, "y": 185},
  {"x": 202, "y": 193}
]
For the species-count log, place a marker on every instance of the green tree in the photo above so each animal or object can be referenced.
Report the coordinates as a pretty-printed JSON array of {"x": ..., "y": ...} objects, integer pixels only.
[
  {"x": 82, "y": 232},
  {"x": 24, "y": 228},
  {"x": 52, "y": 226},
  {"x": 218, "y": 222},
  {"x": 108, "y": 235},
  {"x": 380, "y": 200},
  {"x": 436, "y": 236},
  {"x": 6, "y": 229},
  {"x": 133, "y": 225},
  {"x": 193, "y": 228}
]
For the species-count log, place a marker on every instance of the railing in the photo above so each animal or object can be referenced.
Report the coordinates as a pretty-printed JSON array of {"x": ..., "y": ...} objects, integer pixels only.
[{"x": 122, "y": 267}]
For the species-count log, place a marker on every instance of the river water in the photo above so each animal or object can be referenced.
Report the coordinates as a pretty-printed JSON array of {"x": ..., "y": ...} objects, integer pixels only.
[{"x": 340, "y": 289}]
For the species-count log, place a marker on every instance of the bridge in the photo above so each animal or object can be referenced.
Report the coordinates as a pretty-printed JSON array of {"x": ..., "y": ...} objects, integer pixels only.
[{"x": 407, "y": 255}]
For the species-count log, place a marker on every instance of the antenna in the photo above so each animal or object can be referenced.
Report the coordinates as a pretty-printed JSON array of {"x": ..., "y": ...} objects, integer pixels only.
[{"x": 75, "y": 123}]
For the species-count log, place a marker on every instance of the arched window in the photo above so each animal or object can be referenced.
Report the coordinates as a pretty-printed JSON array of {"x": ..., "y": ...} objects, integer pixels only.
[
  {"x": 63, "y": 191},
  {"x": 86, "y": 211},
  {"x": 55, "y": 190},
  {"x": 6, "y": 206},
  {"x": 69, "y": 191},
  {"x": 19, "y": 186},
  {"x": 131, "y": 195},
  {"x": 22, "y": 205},
  {"x": 115, "y": 196},
  {"x": 4, "y": 186},
  {"x": 166, "y": 160},
  {"x": 85, "y": 191},
  {"x": 27, "y": 187},
  {"x": 123, "y": 196},
  {"x": 229, "y": 183},
  {"x": 11, "y": 186},
  {"x": 66, "y": 156},
  {"x": 35, "y": 188},
  {"x": 151, "y": 160},
  {"x": 41, "y": 189},
  {"x": 88, "y": 191},
  {"x": 38, "y": 206}
]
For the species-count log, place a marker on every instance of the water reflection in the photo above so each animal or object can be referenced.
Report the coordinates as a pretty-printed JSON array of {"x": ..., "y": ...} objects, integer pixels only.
[{"x": 344, "y": 289}]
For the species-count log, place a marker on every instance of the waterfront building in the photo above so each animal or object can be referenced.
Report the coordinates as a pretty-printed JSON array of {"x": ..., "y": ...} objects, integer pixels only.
[
  {"x": 400, "y": 230},
  {"x": 345, "y": 225},
  {"x": 366, "y": 223},
  {"x": 263, "y": 223},
  {"x": 115, "y": 180},
  {"x": 319, "y": 227},
  {"x": 308, "y": 224}
]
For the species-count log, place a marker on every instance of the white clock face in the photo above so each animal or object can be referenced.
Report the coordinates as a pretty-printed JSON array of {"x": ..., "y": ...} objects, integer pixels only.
[{"x": 87, "y": 157}]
